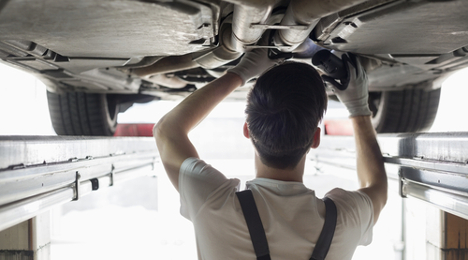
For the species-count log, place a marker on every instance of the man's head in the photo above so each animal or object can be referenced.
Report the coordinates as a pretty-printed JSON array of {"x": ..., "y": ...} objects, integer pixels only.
[{"x": 283, "y": 111}]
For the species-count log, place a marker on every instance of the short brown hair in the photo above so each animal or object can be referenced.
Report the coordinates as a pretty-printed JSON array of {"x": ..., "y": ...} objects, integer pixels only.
[{"x": 283, "y": 111}]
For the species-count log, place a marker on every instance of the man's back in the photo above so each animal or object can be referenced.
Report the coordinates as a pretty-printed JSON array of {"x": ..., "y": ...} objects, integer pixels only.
[
  {"x": 283, "y": 110},
  {"x": 292, "y": 216}
]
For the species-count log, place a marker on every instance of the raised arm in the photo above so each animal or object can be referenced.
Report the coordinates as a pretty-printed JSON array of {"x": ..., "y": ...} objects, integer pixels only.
[
  {"x": 370, "y": 166},
  {"x": 171, "y": 132}
]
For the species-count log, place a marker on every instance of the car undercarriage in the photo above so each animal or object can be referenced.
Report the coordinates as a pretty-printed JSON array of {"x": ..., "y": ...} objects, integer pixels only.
[{"x": 98, "y": 57}]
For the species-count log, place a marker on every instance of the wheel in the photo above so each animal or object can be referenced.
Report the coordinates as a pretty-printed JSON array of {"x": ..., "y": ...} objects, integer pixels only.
[
  {"x": 410, "y": 110},
  {"x": 82, "y": 113}
]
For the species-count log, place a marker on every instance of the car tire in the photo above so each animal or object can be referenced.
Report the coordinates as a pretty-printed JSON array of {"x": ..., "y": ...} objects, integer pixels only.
[
  {"x": 409, "y": 110},
  {"x": 82, "y": 113}
]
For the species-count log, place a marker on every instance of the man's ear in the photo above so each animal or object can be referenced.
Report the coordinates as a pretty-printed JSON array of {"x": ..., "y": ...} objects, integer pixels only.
[
  {"x": 246, "y": 131},
  {"x": 316, "y": 141}
]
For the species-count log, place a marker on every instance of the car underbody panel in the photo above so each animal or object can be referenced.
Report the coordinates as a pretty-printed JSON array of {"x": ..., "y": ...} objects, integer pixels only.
[
  {"x": 112, "y": 29},
  {"x": 416, "y": 38},
  {"x": 140, "y": 50},
  {"x": 76, "y": 45},
  {"x": 73, "y": 43}
]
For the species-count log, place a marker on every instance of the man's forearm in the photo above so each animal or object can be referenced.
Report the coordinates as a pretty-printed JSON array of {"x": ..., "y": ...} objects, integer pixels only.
[{"x": 370, "y": 165}]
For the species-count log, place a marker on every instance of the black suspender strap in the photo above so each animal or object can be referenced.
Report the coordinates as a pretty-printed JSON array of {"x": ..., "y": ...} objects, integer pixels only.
[
  {"x": 254, "y": 223},
  {"x": 257, "y": 232},
  {"x": 328, "y": 230}
]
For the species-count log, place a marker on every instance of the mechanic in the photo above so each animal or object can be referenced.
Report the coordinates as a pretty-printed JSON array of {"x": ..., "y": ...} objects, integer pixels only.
[{"x": 283, "y": 111}]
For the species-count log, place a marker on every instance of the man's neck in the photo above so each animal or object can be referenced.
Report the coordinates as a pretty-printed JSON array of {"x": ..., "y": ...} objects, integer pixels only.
[{"x": 263, "y": 171}]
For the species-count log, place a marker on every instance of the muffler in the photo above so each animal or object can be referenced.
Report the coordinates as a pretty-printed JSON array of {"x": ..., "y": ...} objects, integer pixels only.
[{"x": 307, "y": 13}]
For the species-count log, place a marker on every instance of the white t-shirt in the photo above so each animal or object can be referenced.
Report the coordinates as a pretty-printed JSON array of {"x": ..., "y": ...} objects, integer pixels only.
[{"x": 291, "y": 214}]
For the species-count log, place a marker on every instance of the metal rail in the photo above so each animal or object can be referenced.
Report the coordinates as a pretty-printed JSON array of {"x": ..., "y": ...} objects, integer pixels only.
[
  {"x": 432, "y": 167},
  {"x": 40, "y": 172},
  {"x": 37, "y": 173}
]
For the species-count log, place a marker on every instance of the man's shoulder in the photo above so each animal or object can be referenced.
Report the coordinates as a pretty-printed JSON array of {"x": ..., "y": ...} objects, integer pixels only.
[
  {"x": 200, "y": 183},
  {"x": 351, "y": 200},
  {"x": 346, "y": 194},
  {"x": 355, "y": 213},
  {"x": 192, "y": 164},
  {"x": 200, "y": 171}
]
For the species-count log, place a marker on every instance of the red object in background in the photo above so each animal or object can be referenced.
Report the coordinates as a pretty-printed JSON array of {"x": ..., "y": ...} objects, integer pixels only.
[
  {"x": 338, "y": 127},
  {"x": 332, "y": 127},
  {"x": 134, "y": 130}
]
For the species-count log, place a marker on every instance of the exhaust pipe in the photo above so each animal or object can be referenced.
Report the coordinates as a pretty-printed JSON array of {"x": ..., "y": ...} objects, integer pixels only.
[
  {"x": 219, "y": 56},
  {"x": 308, "y": 13},
  {"x": 223, "y": 54},
  {"x": 232, "y": 41},
  {"x": 246, "y": 14},
  {"x": 167, "y": 65}
]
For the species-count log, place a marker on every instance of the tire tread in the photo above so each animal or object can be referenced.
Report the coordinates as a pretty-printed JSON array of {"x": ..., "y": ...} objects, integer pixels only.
[
  {"x": 410, "y": 110},
  {"x": 74, "y": 113}
]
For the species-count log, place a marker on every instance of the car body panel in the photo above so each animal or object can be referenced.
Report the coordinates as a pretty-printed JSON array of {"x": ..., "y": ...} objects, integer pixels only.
[
  {"x": 112, "y": 29},
  {"x": 92, "y": 45}
]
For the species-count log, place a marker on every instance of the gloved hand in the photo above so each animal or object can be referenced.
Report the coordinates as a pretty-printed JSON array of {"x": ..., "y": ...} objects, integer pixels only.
[
  {"x": 355, "y": 96},
  {"x": 255, "y": 62}
]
